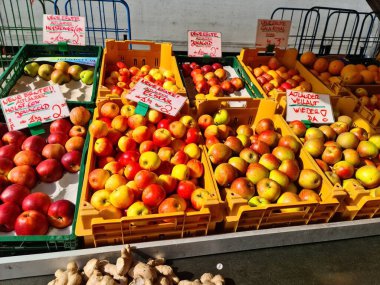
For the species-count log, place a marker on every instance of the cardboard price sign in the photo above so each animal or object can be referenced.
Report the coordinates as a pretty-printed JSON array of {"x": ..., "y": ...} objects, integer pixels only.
[
  {"x": 312, "y": 107},
  {"x": 61, "y": 28},
  {"x": 272, "y": 32},
  {"x": 204, "y": 43},
  {"x": 40, "y": 105},
  {"x": 156, "y": 97}
]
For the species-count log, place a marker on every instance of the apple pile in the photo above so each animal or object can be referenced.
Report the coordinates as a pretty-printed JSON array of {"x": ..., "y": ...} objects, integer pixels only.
[
  {"x": 211, "y": 80},
  {"x": 350, "y": 74},
  {"x": 372, "y": 102},
  {"x": 345, "y": 153},
  {"x": 60, "y": 73},
  {"x": 276, "y": 77},
  {"x": 257, "y": 160},
  {"x": 145, "y": 164},
  {"x": 25, "y": 160},
  {"x": 121, "y": 78}
]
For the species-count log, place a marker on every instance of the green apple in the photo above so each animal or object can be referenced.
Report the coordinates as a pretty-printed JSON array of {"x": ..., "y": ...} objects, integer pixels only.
[
  {"x": 31, "y": 69},
  {"x": 87, "y": 77},
  {"x": 257, "y": 201},
  {"x": 369, "y": 176},
  {"x": 221, "y": 117},
  {"x": 45, "y": 70}
]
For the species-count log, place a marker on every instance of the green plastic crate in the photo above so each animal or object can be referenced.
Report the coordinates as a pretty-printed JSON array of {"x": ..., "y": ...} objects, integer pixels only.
[
  {"x": 226, "y": 60},
  {"x": 16, "y": 68},
  {"x": 20, "y": 245}
]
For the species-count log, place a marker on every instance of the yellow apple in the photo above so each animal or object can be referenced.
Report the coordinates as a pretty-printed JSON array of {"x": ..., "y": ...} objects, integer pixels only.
[
  {"x": 100, "y": 199},
  {"x": 181, "y": 172},
  {"x": 192, "y": 150},
  {"x": 115, "y": 181},
  {"x": 149, "y": 160},
  {"x": 122, "y": 197}
]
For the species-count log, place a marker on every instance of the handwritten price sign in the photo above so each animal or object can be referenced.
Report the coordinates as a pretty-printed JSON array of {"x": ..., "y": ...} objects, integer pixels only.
[
  {"x": 313, "y": 107},
  {"x": 272, "y": 32},
  {"x": 61, "y": 28},
  {"x": 156, "y": 97},
  {"x": 204, "y": 43},
  {"x": 41, "y": 105}
]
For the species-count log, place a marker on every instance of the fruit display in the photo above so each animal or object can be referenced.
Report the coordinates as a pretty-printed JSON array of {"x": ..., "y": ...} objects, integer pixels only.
[
  {"x": 120, "y": 78},
  {"x": 124, "y": 63},
  {"x": 260, "y": 169},
  {"x": 347, "y": 155},
  {"x": 145, "y": 166},
  {"x": 127, "y": 270},
  {"x": 337, "y": 74},
  {"x": 28, "y": 163},
  {"x": 212, "y": 80},
  {"x": 59, "y": 73}
]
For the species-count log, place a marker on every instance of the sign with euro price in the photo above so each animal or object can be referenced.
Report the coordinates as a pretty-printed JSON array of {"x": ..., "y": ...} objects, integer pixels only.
[
  {"x": 308, "y": 106},
  {"x": 156, "y": 97},
  {"x": 201, "y": 43},
  {"x": 36, "y": 106},
  {"x": 63, "y": 28},
  {"x": 272, "y": 33}
]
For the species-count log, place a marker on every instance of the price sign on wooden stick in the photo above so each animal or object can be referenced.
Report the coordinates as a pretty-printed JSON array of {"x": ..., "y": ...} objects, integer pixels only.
[
  {"x": 37, "y": 106},
  {"x": 63, "y": 28},
  {"x": 156, "y": 97},
  {"x": 309, "y": 106},
  {"x": 204, "y": 43},
  {"x": 272, "y": 33}
]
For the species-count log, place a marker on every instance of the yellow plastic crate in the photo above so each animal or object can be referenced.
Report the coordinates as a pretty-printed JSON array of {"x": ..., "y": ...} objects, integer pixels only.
[
  {"x": 97, "y": 231},
  {"x": 137, "y": 53},
  {"x": 240, "y": 216},
  {"x": 253, "y": 58},
  {"x": 357, "y": 203}
]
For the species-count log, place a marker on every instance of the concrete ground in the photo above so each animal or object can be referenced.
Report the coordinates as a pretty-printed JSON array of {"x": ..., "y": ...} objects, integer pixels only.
[{"x": 347, "y": 262}]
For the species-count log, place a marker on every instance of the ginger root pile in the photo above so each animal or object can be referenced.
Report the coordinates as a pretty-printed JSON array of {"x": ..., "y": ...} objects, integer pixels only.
[{"x": 126, "y": 271}]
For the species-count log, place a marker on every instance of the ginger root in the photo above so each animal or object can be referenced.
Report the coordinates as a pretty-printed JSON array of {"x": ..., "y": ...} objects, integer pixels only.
[
  {"x": 206, "y": 279},
  {"x": 147, "y": 272},
  {"x": 69, "y": 277}
]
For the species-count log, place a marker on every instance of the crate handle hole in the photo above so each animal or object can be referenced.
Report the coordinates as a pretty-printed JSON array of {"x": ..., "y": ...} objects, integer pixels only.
[{"x": 141, "y": 47}]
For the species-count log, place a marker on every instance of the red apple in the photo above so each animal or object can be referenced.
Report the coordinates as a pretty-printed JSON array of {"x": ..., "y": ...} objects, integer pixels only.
[
  {"x": 298, "y": 128},
  {"x": 227, "y": 87},
  {"x": 164, "y": 123},
  {"x": 130, "y": 155},
  {"x": 237, "y": 83},
  {"x": 199, "y": 197},
  {"x": 58, "y": 137},
  {"x": 171, "y": 205},
  {"x": 153, "y": 195},
  {"x": 103, "y": 147},
  {"x": 270, "y": 137},
  {"x": 15, "y": 193},
  {"x": 143, "y": 178},
  {"x": 55, "y": 151},
  {"x": 8, "y": 214},
  {"x": 60, "y": 125},
  {"x": 61, "y": 214},
  {"x": 243, "y": 187},
  {"x": 14, "y": 137},
  {"x": 131, "y": 169},
  {"x": 185, "y": 188},
  {"x": 268, "y": 189},
  {"x": 31, "y": 223},
  {"x": 34, "y": 143},
  {"x": 49, "y": 170},
  {"x": 192, "y": 136},
  {"x": 263, "y": 125},
  {"x": 162, "y": 137},
  {"x": 77, "y": 131},
  {"x": 195, "y": 167},
  {"x": 37, "y": 201},
  {"x": 24, "y": 175},
  {"x": 168, "y": 182},
  {"x": 6, "y": 166},
  {"x": 71, "y": 161},
  {"x": 27, "y": 157},
  {"x": 9, "y": 151}
]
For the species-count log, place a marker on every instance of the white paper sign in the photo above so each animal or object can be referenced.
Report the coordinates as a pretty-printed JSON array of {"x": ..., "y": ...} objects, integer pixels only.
[
  {"x": 204, "y": 43},
  {"x": 40, "y": 105},
  {"x": 272, "y": 32},
  {"x": 313, "y": 107},
  {"x": 62, "y": 28},
  {"x": 156, "y": 97}
]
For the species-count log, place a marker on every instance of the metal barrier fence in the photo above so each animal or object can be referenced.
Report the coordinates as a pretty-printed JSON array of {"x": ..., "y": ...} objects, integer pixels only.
[{"x": 343, "y": 31}]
